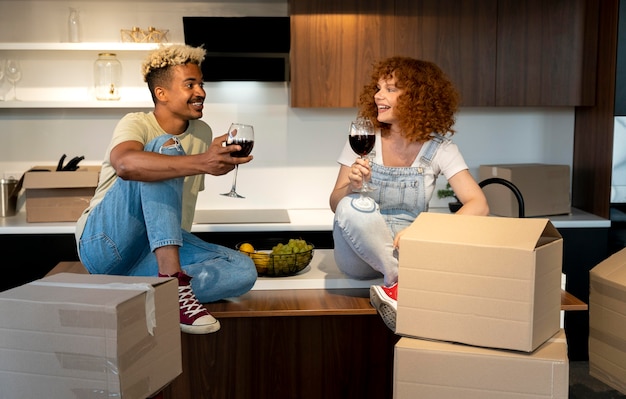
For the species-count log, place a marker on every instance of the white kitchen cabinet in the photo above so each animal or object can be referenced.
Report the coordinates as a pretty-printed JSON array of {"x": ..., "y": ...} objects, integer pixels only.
[{"x": 60, "y": 75}]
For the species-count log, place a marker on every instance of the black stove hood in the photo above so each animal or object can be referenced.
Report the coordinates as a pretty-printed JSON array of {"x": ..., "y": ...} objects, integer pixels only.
[{"x": 241, "y": 48}]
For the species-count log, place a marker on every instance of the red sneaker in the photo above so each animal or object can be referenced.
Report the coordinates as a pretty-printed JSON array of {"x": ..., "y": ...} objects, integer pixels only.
[
  {"x": 194, "y": 318},
  {"x": 385, "y": 300}
]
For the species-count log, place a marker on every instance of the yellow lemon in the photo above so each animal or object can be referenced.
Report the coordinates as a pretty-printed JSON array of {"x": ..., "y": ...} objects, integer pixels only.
[{"x": 246, "y": 247}]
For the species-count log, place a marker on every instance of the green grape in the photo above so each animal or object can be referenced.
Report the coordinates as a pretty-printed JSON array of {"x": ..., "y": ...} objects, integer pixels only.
[{"x": 290, "y": 257}]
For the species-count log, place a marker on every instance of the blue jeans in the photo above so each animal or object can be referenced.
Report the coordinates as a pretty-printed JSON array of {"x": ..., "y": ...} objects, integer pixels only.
[
  {"x": 363, "y": 240},
  {"x": 363, "y": 243},
  {"x": 134, "y": 218}
]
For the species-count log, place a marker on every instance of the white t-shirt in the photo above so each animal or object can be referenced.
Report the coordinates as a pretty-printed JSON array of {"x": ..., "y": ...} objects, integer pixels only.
[{"x": 447, "y": 161}]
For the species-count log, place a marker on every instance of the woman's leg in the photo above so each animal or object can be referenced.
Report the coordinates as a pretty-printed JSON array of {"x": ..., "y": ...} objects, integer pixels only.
[{"x": 363, "y": 243}]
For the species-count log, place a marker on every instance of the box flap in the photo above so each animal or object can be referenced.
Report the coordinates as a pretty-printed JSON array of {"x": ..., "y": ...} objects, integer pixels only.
[
  {"x": 48, "y": 177},
  {"x": 527, "y": 233}
]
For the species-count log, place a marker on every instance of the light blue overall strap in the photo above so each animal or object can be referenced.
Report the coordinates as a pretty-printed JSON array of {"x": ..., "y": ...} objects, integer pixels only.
[{"x": 432, "y": 146}]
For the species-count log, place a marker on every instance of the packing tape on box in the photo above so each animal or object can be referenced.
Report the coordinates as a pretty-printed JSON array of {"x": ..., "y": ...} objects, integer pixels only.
[{"x": 147, "y": 288}]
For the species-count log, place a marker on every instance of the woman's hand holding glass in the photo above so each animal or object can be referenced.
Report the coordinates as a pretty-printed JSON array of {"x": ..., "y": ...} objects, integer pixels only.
[
  {"x": 362, "y": 138},
  {"x": 360, "y": 175}
]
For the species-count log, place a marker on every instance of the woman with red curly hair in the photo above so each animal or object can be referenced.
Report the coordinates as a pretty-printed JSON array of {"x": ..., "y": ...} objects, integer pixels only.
[{"x": 413, "y": 104}]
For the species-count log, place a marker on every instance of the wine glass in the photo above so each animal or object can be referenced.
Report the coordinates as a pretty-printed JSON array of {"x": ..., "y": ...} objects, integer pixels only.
[
  {"x": 13, "y": 74},
  {"x": 362, "y": 138},
  {"x": 2, "y": 66},
  {"x": 242, "y": 135}
]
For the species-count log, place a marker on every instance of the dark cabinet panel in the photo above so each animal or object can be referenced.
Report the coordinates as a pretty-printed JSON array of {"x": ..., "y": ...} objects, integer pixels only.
[
  {"x": 593, "y": 130},
  {"x": 620, "y": 72},
  {"x": 546, "y": 52}
]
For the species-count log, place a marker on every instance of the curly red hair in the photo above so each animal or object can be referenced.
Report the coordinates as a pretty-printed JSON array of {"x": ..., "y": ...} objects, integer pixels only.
[{"x": 427, "y": 104}]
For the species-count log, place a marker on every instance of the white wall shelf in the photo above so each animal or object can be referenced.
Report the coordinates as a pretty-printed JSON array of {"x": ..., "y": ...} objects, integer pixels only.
[
  {"x": 70, "y": 65},
  {"x": 76, "y": 104},
  {"x": 95, "y": 46}
]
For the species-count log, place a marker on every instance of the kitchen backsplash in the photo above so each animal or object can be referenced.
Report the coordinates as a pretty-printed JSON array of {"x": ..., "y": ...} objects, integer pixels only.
[{"x": 295, "y": 149}]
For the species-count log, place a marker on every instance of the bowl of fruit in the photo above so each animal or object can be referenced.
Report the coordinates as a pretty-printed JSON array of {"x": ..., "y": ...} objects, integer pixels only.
[{"x": 278, "y": 258}]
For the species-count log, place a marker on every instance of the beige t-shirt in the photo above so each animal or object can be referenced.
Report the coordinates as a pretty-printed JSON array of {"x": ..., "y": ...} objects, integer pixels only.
[{"x": 143, "y": 127}]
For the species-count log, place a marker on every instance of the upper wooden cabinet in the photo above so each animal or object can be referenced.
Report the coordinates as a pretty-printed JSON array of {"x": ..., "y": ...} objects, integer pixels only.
[
  {"x": 333, "y": 45},
  {"x": 547, "y": 52},
  {"x": 497, "y": 52}
]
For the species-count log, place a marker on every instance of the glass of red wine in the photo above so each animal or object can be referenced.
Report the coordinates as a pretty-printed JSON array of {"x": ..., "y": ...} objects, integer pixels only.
[
  {"x": 242, "y": 135},
  {"x": 362, "y": 138}
]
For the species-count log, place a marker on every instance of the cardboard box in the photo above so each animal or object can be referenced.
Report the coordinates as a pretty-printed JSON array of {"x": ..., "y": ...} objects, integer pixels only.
[
  {"x": 544, "y": 188},
  {"x": 439, "y": 370},
  {"x": 53, "y": 196},
  {"x": 89, "y": 336},
  {"x": 479, "y": 280},
  {"x": 607, "y": 321}
]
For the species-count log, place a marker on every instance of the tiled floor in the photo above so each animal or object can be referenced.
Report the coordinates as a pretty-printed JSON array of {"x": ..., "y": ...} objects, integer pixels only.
[{"x": 584, "y": 386}]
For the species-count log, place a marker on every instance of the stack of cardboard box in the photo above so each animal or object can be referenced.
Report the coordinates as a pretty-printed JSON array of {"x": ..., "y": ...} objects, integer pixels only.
[
  {"x": 607, "y": 321},
  {"x": 479, "y": 303},
  {"x": 89, "y": 336}
]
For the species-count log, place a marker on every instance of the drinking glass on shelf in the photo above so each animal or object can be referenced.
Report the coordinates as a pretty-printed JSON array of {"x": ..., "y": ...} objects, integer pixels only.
[
  {"x": 13, "y": 74},
  {"x": 362, "y": 138},
  {"x": 243, "y": 135}
]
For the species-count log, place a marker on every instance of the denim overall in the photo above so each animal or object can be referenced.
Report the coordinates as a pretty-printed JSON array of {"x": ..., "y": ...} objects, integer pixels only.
[
  {"x": 134, "y": 218},
  {"x": 364, "y": 239}
]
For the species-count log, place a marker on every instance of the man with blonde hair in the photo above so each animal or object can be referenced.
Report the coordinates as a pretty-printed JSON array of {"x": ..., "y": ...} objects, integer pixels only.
[{"x": 139, "y": 220}]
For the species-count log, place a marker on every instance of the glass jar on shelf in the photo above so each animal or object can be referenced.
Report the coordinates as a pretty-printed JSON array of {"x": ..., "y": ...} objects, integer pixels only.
[{"x": 107, "y": 77}]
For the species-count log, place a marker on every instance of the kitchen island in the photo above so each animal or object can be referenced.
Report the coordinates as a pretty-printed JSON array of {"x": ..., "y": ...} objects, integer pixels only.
[{"x": 585, "y": 239}]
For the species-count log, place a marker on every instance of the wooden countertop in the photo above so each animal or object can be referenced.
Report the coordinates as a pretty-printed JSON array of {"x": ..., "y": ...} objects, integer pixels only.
[
  {"x": 301, "y": 302},
  {"x": 299, "y": 220}
]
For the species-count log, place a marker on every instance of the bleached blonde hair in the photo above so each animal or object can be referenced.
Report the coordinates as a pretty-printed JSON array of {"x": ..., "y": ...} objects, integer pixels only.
[{"x": 171, "y": 55}]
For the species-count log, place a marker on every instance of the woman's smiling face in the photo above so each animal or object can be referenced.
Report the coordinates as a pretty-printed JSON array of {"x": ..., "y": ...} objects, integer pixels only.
[{"x": 386, "y": 99}]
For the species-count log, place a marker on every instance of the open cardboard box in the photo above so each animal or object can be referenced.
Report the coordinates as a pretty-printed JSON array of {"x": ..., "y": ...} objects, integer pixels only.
[
  {"x": 440, "y": 370},
  {"x": 89, "y": 336},
  {"x": 53, "y": 196},
  {"x": 479, "y": 280},
  {"x": 607, "y": 321}
]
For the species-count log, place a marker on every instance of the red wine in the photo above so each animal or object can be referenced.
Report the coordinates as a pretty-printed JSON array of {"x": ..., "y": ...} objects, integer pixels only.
[
  {"x": 246, "y": 147},
  {"x": 362, "y": 144}
]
